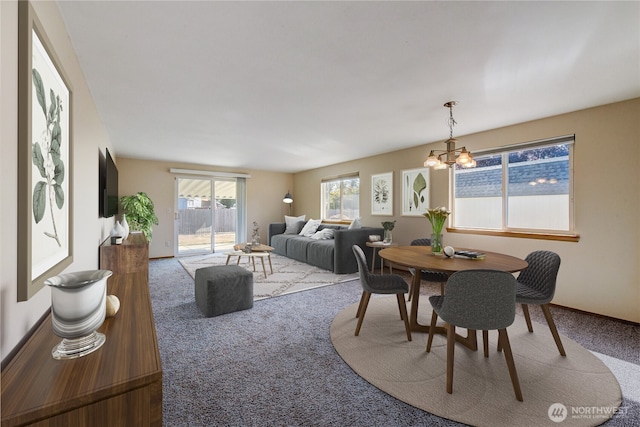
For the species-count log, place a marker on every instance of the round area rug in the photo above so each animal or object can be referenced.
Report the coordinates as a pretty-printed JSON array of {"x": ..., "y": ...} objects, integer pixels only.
[{"x": 577, "y": 390}]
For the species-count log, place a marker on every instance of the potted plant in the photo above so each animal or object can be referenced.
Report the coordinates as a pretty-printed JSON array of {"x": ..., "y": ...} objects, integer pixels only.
[
  {"x": 388, "y": 226},
  {"x": 139, "y": 213}
]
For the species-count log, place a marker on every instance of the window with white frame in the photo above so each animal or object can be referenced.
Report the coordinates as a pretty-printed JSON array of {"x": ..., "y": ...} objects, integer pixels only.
[
  {"x": 340, "y": 198},
  {"x": 526, "y": 187}
]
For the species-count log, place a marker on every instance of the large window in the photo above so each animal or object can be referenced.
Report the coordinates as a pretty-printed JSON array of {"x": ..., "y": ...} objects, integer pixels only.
[
  {"x": 340, "y": 198},
  {"x": 527, "y": 187}
]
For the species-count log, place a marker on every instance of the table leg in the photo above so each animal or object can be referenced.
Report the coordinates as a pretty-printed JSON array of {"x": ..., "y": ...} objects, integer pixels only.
[
  {"x": 270, "y": 265},
  {"x": 373, "y": 260},
  {"x": 263, "y": 267},
  {"x": 253, "y": 260},
  {"x": 413, "y": 319},
  {"x": 228, "y": 258}
]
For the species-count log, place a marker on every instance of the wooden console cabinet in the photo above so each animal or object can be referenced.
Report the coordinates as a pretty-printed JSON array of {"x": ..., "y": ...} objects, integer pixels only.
[
  {"x": 130, "y": 257},
  {"x": 120, "y": 384}
]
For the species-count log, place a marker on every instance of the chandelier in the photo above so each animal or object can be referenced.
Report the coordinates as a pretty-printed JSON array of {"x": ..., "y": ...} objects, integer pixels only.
[{"x": 452, "y": 155}]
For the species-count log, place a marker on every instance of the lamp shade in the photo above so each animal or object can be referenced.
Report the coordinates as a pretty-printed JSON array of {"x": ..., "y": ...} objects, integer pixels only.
[{"x": 287, "y": 198}]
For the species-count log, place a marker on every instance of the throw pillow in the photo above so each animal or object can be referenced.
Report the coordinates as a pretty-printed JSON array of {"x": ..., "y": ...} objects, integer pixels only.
[
  {"x": 293, "y": 223},
  {"x": 324, "y": 234},
  {"x": 310, "y": 227},
  {"x": 355, "y": 224}
]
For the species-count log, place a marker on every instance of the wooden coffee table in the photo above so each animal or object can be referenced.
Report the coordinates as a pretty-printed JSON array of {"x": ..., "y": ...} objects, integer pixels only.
[{"x": 257, "y": 251}]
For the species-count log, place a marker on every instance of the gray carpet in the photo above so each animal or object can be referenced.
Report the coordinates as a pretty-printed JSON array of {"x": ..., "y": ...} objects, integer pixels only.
[{"x": 274, "y": 365}]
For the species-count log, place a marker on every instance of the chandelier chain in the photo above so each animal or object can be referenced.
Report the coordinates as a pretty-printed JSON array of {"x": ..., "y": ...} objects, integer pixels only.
[{"x": 452, "y": 121}]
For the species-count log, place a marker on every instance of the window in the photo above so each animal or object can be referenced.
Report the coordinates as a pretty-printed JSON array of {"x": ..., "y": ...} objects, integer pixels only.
[
  {"x": 340, "y": 198},
  {"x": 526, "y": 187}
]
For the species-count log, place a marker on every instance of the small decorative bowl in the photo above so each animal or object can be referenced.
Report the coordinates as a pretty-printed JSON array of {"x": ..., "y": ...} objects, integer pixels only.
[{"x": 375, "y": 238}]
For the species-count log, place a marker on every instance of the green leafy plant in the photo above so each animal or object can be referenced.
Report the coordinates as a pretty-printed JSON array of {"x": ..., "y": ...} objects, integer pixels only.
[
  {"x": 46, "y": 157},
  {"x": 140, "y": 213},
  {"x": 388, "y": 225}
]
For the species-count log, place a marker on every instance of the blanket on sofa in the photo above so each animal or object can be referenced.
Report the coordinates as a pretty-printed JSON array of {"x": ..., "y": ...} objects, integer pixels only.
[{"x": 288, "y": 275}]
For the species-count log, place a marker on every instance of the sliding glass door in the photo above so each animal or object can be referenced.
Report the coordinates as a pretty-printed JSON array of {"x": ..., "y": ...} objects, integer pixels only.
[{"x": 206, "y": 215}]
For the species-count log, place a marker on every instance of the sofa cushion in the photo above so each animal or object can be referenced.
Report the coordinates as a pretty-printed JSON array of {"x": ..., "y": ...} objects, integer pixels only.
[
  {"x": 297, "y": 247},
  {"x": 293, "y": 223},
  {"x": 324, "y": 234},
  {"x": 321, "y": 253},
  {"x": 279, "y": 243},
  {"x": 310, "y": 227}
]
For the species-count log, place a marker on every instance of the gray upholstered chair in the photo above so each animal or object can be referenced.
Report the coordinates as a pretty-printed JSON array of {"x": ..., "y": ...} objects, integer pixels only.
[
  {"x": 477, "y": 300},
  {"x": 536, "y": 284},
  {"x": 427, "y": 276},
  {"x": 379, "y": 284}
]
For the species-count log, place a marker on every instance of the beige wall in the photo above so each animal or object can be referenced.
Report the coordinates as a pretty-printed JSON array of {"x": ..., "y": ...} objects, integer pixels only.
[
  {"x": 600, "y": 273},
  {"x": 89, "y": 138},
  {"x": 264, "y": 196}
]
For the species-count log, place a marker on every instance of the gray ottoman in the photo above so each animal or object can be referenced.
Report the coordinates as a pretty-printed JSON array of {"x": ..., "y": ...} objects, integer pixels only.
[{"x": 223, "y": 289}]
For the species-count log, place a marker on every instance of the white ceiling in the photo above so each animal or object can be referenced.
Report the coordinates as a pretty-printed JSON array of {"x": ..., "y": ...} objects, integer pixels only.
[{"x": 290, "y": 86}]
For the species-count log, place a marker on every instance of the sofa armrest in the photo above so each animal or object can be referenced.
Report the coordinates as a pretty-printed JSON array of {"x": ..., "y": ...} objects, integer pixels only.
[
  {"x": 275, "y": 228},
  {"x": 344, "y": 259}
]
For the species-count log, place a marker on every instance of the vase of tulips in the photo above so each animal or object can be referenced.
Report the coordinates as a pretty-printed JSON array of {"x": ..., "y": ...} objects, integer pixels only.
[{"x": 437, "y": 217}]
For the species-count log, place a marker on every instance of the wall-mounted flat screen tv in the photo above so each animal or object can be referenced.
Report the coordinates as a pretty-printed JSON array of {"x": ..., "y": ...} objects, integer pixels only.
[{"x": 110, "y": 191}]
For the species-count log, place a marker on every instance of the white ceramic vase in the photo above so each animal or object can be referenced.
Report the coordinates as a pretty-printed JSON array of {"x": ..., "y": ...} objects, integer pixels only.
[
  {"x": 125, "y": 226},
  {"x": 117, "y": 230}
]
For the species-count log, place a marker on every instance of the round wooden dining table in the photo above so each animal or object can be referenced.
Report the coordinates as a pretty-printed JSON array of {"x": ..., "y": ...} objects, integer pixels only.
[{"x": 421, "y": 258}]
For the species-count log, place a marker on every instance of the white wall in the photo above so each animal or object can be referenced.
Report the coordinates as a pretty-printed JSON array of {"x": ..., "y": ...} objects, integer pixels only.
[{"x": 89, "y": 138}]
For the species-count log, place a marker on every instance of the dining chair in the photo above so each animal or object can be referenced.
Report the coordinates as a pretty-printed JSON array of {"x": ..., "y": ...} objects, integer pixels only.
[
  {"x": 379, "y": 284},
  {"x": 477, "y": 300},
  {"x": 426, "y": 275},
  {"x": 536, "y": 284}
]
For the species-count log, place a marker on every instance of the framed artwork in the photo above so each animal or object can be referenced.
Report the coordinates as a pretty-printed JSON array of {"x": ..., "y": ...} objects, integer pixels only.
[
  {"x": 415, "y": 192},
  {"x": 382, "y": 194},
  {"x": 45, "y": 226}
]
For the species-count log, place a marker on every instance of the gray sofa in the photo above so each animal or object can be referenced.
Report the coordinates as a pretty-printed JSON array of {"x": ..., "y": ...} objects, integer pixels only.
[{"x": 332, "y": 254}]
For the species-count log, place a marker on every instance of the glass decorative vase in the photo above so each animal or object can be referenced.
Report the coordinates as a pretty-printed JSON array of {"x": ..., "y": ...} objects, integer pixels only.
[
  {"x": 78, "y": 309},
  {"x": 387, "y": 236},
  {"x": 436, "y": 244}
]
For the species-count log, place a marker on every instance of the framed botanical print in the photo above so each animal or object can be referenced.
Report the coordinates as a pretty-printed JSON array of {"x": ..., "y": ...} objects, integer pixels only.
[
  {"x": 45, "y": 226},
  {"x": 415, "y": 192},
  {"x": 382, "y": 194}
]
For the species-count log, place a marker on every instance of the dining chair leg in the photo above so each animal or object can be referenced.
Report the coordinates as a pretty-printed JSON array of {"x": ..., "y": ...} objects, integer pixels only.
[
  {"x": 451, "y": 343},
  {"x": 552, "y": 326},
  {"x": 403, "y": 314},
  {"x": 485, "y": 342},
  {"x": 508, "y": 355},
  {"x": 527, "y": 318},
  {"x": 360, "y": 305},
  {"x": 411, "y": 290},
  {"x": 364, "y": 302},
  {"x": 400, "y": 298},
  {"x": 432, "y": 327},
  {"x": 441, "y": 288}
]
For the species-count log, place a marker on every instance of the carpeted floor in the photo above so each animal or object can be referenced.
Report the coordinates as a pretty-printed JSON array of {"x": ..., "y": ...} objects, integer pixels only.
[
  {"x": 274, "y": 365},
  {"x": 288, "y": 275}
]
